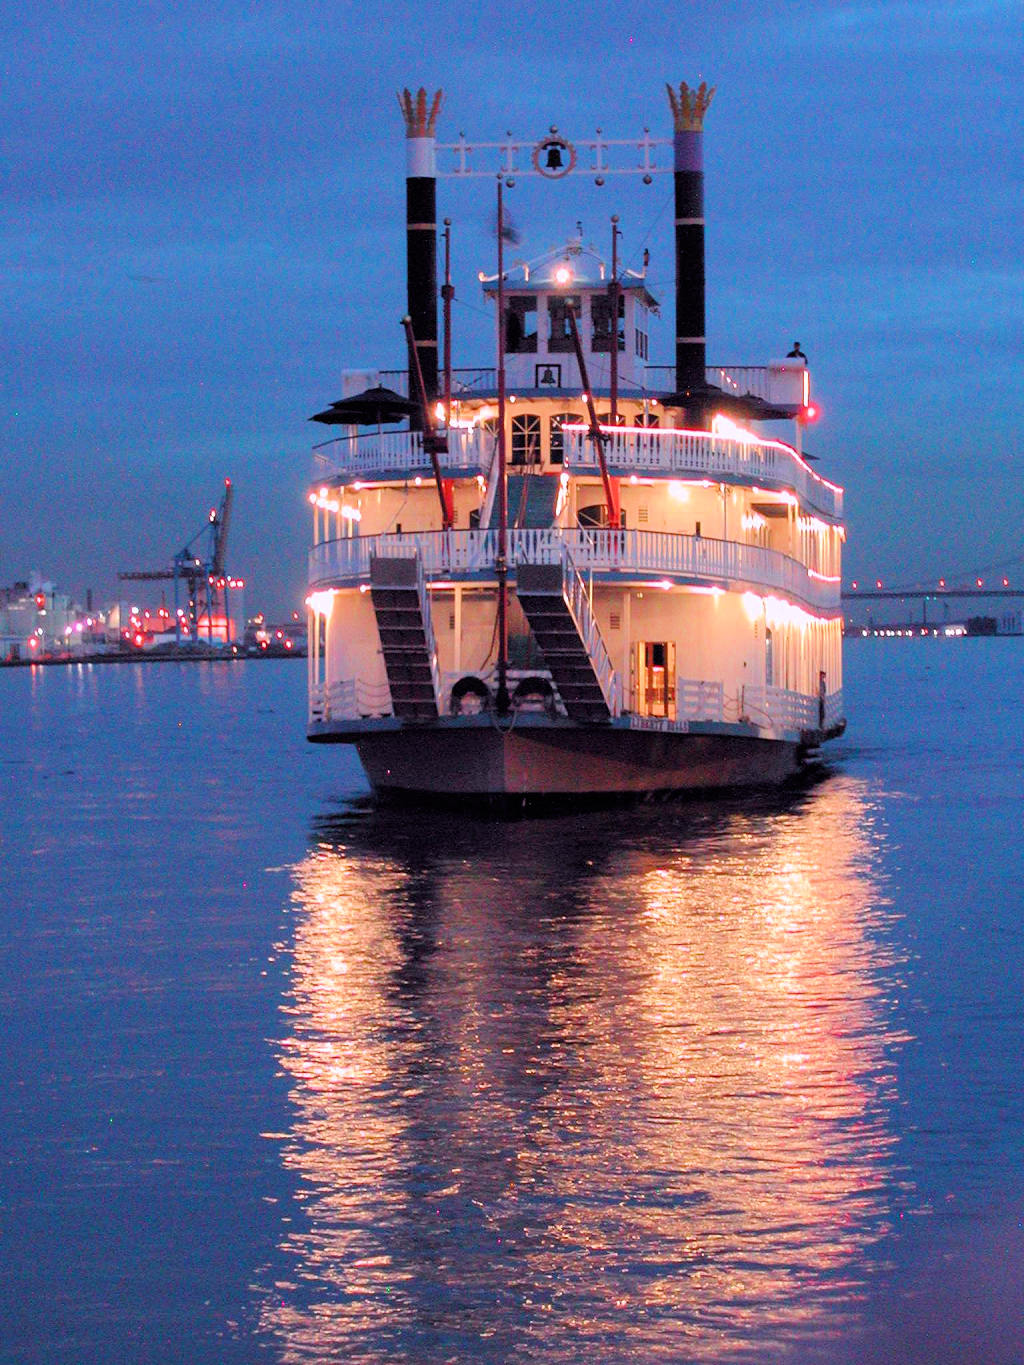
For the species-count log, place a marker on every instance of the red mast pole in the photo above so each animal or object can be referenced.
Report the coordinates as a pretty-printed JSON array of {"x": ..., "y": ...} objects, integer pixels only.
[
  {"x": 435, "y": 445},
  {"x": 613, "y": 293},
  {"x": 611, "y": 492},
  {"x": 502, "y": 559}
]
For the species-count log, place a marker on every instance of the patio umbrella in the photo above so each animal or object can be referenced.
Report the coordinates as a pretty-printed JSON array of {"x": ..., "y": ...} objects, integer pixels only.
[{"x": 372, "y": 407}]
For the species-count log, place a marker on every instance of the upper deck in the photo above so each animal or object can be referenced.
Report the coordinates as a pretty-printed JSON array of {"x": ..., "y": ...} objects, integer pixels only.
[{"x": 647, "y": 452}]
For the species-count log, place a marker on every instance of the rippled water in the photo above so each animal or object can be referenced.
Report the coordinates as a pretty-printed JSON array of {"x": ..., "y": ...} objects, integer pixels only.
[{"x": 290, "y": 1077}]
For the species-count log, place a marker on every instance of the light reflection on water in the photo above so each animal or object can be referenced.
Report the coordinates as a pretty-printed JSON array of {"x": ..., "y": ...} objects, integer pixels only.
[{"x": 617, "y": 1085}]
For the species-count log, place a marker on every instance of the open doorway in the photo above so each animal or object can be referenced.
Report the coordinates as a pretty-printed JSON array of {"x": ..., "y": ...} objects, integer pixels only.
[{"x": 656, "y": 678}]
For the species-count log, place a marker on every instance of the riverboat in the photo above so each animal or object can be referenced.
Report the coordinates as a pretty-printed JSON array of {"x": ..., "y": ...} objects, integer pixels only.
[{"x": 571, "y": 573}]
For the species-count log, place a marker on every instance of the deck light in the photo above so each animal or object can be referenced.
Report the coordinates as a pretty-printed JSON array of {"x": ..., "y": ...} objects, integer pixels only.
[{"x": 320, "y": 603}]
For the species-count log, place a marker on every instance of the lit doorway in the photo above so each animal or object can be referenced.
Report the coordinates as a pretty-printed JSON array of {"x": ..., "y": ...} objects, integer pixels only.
[{"x": 656, "y": 677}]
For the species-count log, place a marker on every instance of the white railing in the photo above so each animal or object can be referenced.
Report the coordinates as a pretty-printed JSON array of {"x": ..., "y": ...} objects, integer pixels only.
[
  {"x": 394, "y": 452},
  {"x": 441, "y": 552},
  {"x": 478, "y": 381},
  {"x": 699, "y": 700},
  {"x": 743, "y": 381},
  {"x": 769, "y": 708},
  {"x": 646, "y": 450},
  {"x": 578, "y": 602},
  {"x": 349, "y": 699},
  {"x": 778, "y": 708},
  {"x": 461, "y": 553}
]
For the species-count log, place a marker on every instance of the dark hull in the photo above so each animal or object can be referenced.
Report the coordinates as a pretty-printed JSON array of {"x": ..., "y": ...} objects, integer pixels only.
[{"x": 571, "y": 761}]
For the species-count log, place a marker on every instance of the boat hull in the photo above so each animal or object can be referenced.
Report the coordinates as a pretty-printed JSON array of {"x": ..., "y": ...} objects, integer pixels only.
[{"x": 569, "y": 761}]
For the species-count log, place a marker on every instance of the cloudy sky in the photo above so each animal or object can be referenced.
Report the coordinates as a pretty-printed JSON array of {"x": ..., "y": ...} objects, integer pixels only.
[{"x": 202, "y": 224}]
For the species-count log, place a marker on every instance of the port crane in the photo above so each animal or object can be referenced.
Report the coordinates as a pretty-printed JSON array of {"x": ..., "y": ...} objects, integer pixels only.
[{"x": 201, "y": 585}]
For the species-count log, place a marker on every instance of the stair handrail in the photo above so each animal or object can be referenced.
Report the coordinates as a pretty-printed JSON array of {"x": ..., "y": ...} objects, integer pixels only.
[
  {"x": 577, "y": 600},
  {"x": 423, "y": 593}
]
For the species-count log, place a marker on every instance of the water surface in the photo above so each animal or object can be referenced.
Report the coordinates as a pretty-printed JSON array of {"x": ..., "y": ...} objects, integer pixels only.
[{"x": 292, "y": 1078}]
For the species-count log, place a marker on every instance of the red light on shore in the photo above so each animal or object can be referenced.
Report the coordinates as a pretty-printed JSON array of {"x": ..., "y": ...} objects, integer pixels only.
[
  {"x": 1006, "y": 582},
  {"x": 878, "y": 582},
  {"x": 979, "y": 582},
  {"x": 854, "y": 584},
  {"x": 942, "y": 582}
]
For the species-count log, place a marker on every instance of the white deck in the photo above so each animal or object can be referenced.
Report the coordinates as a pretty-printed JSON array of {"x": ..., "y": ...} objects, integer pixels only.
[
  {"x": 626, "y": 554},
  {"x": 646, "y": 452}
]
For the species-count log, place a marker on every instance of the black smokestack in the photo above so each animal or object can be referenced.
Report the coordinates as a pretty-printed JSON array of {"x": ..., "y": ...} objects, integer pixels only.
[
  {"x": 688, "y": 110},
  {"x": 421, "y": 229}
]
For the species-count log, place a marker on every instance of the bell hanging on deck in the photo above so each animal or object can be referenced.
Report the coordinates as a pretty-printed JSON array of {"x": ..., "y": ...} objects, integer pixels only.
[{"x": 554, "y": 161}]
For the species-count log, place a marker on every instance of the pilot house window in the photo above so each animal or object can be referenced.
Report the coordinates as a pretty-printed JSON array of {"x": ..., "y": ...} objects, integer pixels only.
[
  {"x": 601, "y": 318},
  {"x": 558, "y": 313},
  {"x": 521, "y": 326}
]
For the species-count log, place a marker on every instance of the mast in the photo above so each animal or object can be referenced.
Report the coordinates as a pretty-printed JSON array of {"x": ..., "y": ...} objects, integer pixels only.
[
  {"x": 611, "y": 492},
  {"x": 502, "y": 560},
  {"x": 688, "y": 109},
  {"x": 421, "y": 229},
  {"x": 447, "y": 294},
  {"x": 434, "y": 444}
]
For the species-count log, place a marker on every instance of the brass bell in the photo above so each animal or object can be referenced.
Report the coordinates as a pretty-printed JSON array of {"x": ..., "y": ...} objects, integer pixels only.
[{"x": 554, "y": 161}]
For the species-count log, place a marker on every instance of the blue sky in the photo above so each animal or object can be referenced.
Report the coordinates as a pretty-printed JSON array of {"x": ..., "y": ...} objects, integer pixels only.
[{"x": 202, "y": 224}]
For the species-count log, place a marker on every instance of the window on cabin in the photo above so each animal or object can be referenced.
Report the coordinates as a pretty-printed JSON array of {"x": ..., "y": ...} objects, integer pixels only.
[
  {"x": 560, "y": 339},
  {"x": 648, "y": 419},
  {"x": 520, "y": 326},
  {"x": 640, "y": 343},
  {"x": 526, "y": 438},
  {"x": 605, "y": 419},
  {"x": 601, "y": 321},
  {"x": 557, "y": 447},
  {"x": 596, "y": 515}
]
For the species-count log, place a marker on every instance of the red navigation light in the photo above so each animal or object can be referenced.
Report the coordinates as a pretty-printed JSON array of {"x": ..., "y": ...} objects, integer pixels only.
[
  {"x": 855, "y": 584},
  {"x": 40, "y": 600},
  {"x": 979, "y": 583},
  {"x": 942, "y": 582},
  {"x": 810, "y": 412},
  {"x": 1006, "y": 582},
  {"x": 878, "y": 582}
]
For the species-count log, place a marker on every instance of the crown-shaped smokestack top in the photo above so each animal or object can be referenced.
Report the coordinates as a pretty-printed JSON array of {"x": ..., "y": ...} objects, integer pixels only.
[
  {"x": 689, "y": 106},
  {"x": 419, "y": 120}
]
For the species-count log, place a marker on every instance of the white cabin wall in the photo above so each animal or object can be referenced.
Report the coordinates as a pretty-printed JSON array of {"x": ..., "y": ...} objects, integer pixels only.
[
  {"x": 479, "y": 637},
  {"x": 714, "y": 638},
  {"x": 353, "y": 642}
]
